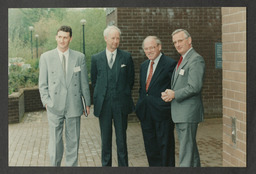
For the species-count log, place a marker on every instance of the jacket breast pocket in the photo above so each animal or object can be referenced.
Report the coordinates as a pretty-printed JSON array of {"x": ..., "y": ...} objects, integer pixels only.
[{"x": 123, "y": 68}]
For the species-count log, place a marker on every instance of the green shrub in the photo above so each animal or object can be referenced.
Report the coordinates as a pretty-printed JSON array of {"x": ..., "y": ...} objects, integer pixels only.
[{"x": 21, "y": 78}]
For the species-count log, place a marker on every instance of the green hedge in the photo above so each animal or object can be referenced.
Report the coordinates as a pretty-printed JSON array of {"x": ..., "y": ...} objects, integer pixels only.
[{"x": 21, "y": 78}]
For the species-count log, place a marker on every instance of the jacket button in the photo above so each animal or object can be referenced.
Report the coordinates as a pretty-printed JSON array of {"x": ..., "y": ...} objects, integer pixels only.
[{"x": 55, "y": 92}]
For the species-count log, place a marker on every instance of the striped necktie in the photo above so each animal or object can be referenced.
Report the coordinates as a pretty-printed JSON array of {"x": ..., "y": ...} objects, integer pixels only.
[{"x": 149, "y": 75}]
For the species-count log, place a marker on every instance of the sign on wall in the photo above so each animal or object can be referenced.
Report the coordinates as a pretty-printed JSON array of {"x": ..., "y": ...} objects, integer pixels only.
[{"x": 218, "y": 55}]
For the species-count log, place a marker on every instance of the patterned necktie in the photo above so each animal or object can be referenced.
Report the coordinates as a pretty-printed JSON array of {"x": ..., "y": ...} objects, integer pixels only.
[
  {"x": 111, "y": 61},
  {"x": 181, "y": 58},
  {"x": 64, "y": 65},
  {"x": 149, "y": 75}
]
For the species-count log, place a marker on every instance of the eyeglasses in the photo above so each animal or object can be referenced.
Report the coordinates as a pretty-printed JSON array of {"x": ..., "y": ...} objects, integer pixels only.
[
  {"x": 179, "y": 41},
  {"x": 150, "y": 48}
]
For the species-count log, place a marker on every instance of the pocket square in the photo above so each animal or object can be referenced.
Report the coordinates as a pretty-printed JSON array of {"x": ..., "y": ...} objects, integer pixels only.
[{"x": 123, "y": 65}]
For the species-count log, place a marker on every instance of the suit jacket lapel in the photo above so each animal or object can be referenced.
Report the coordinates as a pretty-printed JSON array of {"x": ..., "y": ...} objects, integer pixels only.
[
  {"x": 173, "y": 77},
  {"x": 104, "y": 61},
  {"x": 56, "y": 61},
  {"x": 175, "y": 73},
  {"x": 157, "y": 72},
  {"x": 144, "y": 71},
  {"x": 71, "y": 64},
  {"x": 118, "y": 62},
  {"x": 183, "y": 63},
  {"x": 103, "y": 65}
]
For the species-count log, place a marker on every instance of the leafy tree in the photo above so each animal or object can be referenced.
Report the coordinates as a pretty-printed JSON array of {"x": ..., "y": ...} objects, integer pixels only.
[{"x": 46, "y": 21}]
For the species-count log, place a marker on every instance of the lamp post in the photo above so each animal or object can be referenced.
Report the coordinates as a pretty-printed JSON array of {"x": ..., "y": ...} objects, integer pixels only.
[
  {"x": 31, "y": 28},
  {"x": 83, "y": 22},
  {"x": 37, "y": 45}
]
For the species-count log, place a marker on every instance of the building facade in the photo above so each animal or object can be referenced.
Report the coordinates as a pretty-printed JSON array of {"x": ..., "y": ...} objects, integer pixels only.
[
  {"x": 204, "y": 25},
  {"x": 224, "y": 91},
  {"x": 234, "y": 86}
]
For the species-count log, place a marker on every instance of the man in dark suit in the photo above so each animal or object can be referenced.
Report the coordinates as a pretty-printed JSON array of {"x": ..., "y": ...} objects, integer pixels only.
[
  {"x": 63, "y": 81},
  {"x": 112, "y": 75},
  {"x": 186, "y": 98},
  {"x": 153, "y": 113}
]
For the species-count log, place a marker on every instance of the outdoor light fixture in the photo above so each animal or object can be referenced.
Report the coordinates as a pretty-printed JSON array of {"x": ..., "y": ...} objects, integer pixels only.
[
  {"x": 31, "y": 28},
  {"x": 83, "y": 22},
  {"x": 36, "y": 45}
]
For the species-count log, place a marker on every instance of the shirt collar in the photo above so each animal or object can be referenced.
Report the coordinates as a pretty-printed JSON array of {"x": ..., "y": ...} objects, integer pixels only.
[
  {"x": 66, "y": 53},
  {"x": 157, "y": 59},
  {"x": 109, "y": 52},
  {"x": 183, "y": 56}
]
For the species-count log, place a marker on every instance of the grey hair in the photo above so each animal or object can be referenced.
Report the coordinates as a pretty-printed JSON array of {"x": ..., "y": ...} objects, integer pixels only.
[
  {"x": 158, "y": 41},
  {"x": 109, "y": 28},
  {"x": 180, "y": 30}
]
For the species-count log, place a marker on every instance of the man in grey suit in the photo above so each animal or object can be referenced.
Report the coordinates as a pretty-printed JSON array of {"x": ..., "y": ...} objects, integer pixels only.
[
  {"x": 112, "y": 75},
  {"x": 186, "y": 98},
  {"x": 63, "y": 84}
]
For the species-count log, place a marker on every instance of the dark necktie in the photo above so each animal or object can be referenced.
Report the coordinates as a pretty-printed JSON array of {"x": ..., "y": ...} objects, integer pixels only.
[
  {"x": 149, "y": 75},
  {"x": 181, "y": 58}
]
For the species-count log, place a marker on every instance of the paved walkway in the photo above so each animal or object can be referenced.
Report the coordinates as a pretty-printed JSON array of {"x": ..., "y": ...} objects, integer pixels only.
[{"x": 28, "y": 143}]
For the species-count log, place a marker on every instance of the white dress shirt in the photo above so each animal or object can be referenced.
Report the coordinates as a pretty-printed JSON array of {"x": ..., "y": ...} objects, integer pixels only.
[
  {"x": 154, "y": 65},
  {"x": 66, "y": 54},
  {"x": 108, "y": 54}
]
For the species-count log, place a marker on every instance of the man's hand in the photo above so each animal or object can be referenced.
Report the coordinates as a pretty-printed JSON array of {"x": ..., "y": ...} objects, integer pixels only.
[
  {"x": 87, "y": 111},
  {"x": 168, "y": 95}
]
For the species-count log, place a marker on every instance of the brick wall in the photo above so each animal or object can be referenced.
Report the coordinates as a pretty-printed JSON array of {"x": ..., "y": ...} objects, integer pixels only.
[
  {"x": 32, "y": 100},
  {"x": 204, "y": 25},
  {"x": 26, "y": 100},
  {"x": 16, "y": 107},
  {"x": 234, "y": 86}
]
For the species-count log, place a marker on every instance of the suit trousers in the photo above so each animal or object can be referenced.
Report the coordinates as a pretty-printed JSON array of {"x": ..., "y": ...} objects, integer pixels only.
[
  {"x": 72, "y": 136},
  {"x": 159, "y": 141},
  {"x": 188, "y": 154},
  {"x": 111, "y": 110}
]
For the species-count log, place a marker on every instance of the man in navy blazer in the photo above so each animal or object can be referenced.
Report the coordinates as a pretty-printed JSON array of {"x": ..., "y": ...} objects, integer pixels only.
[
  {"x": 153, "y": 113},
  {"x": 112, "y": 76},
  {"x": 185, "y": 95}
]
